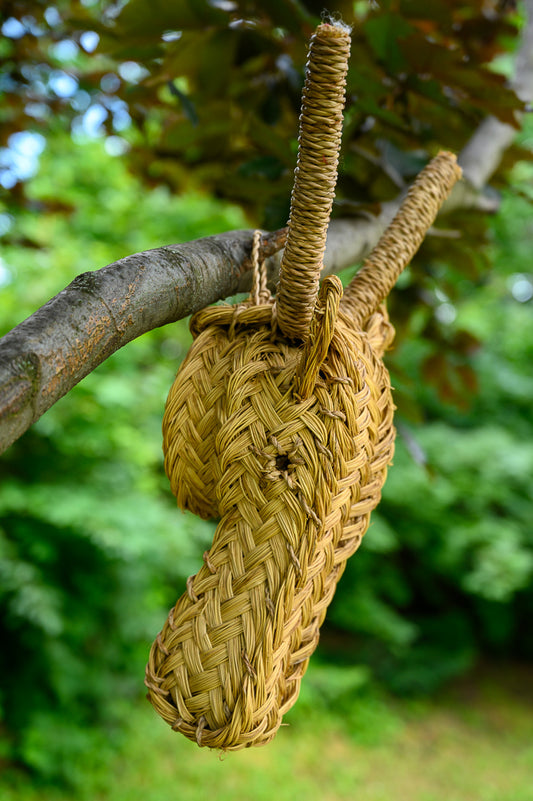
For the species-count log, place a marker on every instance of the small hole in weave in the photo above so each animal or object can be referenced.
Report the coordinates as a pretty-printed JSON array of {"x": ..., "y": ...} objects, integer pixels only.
[{"x": 283, "y": 462}]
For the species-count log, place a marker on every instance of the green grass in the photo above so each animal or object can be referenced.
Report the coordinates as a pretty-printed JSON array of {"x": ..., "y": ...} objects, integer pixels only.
[{"x": 473, "y": 743}]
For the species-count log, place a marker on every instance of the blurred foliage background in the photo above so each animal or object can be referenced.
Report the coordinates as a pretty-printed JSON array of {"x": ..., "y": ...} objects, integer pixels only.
[{"x": 129, "y": 126}]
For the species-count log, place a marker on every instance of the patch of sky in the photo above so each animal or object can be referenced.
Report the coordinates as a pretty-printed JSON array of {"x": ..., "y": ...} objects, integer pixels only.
[
  {"x": 93, "y": 120},
  {"x": 6, "y": 223},
  {"x": 81, "y": 100},
  {"x": 5, "y": 273},
  {"x": 20, "y": 159},
  {"x": 446, "y": 313},
  {"x": 121, "y": 117},
  {"x": 62, "y": 84},
  {"x": 38, "y": 111},
  {"x": 116, "y": 145},
  {"x": 171, "y": 36},
  {"x": 52, "y": 16},
  {"x": 30, "y": 25},
  {"x": 65, "y": 50},
  {"x": 13, "y": 28},
  {"x": 90, "y": 125},
  {"x": 521, "y": 287},
  {"x": 132, "y": 72},
  {"x": 223, "y": 5},
  {"x": 89, "y": 41},
  {"x": 7, "y": 83},
  {"x": 119, "y": 109},
  {"x": 110, "y": 83}
]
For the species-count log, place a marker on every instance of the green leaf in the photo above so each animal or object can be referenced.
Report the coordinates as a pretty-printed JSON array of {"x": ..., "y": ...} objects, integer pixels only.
[
  {"x": 385, "y": 33},
  {"x": 147, "y": 19}
]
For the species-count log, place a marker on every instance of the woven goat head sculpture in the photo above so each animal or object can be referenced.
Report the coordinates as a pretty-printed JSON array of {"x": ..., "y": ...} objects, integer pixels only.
[{"x": 280, "y": 424}]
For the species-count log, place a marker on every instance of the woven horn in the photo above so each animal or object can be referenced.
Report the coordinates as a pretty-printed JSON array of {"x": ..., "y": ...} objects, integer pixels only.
[
  {"x": 315, "y": 177},
  {"x": 417, "y": 213}
]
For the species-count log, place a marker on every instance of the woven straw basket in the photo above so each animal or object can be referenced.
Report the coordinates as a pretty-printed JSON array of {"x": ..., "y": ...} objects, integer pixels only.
[{"x": 280, "y": 423}]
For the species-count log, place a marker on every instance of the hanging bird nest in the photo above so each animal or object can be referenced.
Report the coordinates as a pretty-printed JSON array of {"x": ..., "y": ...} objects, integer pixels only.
[{"x": 280, "y": 423}]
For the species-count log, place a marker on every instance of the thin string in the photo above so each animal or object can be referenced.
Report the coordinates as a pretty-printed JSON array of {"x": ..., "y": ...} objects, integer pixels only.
[{"x": 260, "y": 294}]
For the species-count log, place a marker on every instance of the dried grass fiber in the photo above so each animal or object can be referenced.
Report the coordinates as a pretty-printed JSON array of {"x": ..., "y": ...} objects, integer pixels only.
[{"x": 288, "y": 444}]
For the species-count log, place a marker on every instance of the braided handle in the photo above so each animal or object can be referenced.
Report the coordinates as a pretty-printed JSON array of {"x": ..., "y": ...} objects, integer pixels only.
[
  {"x": 314, "y": 178},
  {"x": 402, "y": 238}
]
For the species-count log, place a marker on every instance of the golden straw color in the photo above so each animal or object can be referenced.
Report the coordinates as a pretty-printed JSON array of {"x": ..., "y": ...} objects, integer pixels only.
[
  {"x": 314, "y": 178},
  {"x": 402, "y": 238},
  {"x": 287, "y": 444},
  {"x": 295, "y": 481}
]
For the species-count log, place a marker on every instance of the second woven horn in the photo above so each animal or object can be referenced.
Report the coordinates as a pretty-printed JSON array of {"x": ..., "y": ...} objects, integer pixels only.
[{"x": 279, "y": 423}]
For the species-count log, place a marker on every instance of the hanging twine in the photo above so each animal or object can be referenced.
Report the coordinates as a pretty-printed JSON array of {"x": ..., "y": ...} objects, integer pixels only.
[
  {"x": 260, "y": 293},
  {"x": 314, "y": 178},
  {"x": 288, "y": 446}
]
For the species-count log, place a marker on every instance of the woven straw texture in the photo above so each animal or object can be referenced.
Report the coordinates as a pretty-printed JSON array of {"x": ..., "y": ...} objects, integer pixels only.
[
  {"x": 315, "y": 177},
  {"x": 287, "y": 444},
  {"x": 402, "y": 238},
  {"x": 294, "y": 483}
]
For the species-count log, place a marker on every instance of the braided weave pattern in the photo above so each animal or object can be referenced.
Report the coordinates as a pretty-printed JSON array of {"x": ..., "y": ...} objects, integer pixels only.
[
  {"x": 402, "y": 238},
  {"x": 190, "y": 421},
  {"x": 315, "y": 177},
  {"x": 287, "y": 445},
  {"x": 295, "y": 479}
]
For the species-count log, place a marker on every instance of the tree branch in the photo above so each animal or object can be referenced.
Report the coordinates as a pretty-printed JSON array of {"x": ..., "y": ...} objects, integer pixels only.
[{"x": 99, "y": 312}]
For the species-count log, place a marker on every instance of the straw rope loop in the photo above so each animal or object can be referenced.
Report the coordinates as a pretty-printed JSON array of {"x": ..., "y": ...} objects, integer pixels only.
[
  {"x": 320, "y": 335},
  {"x": 314, "y": 178},
  {"x": 402, "y": 238},
  {"x": 260, "y": 293}
]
